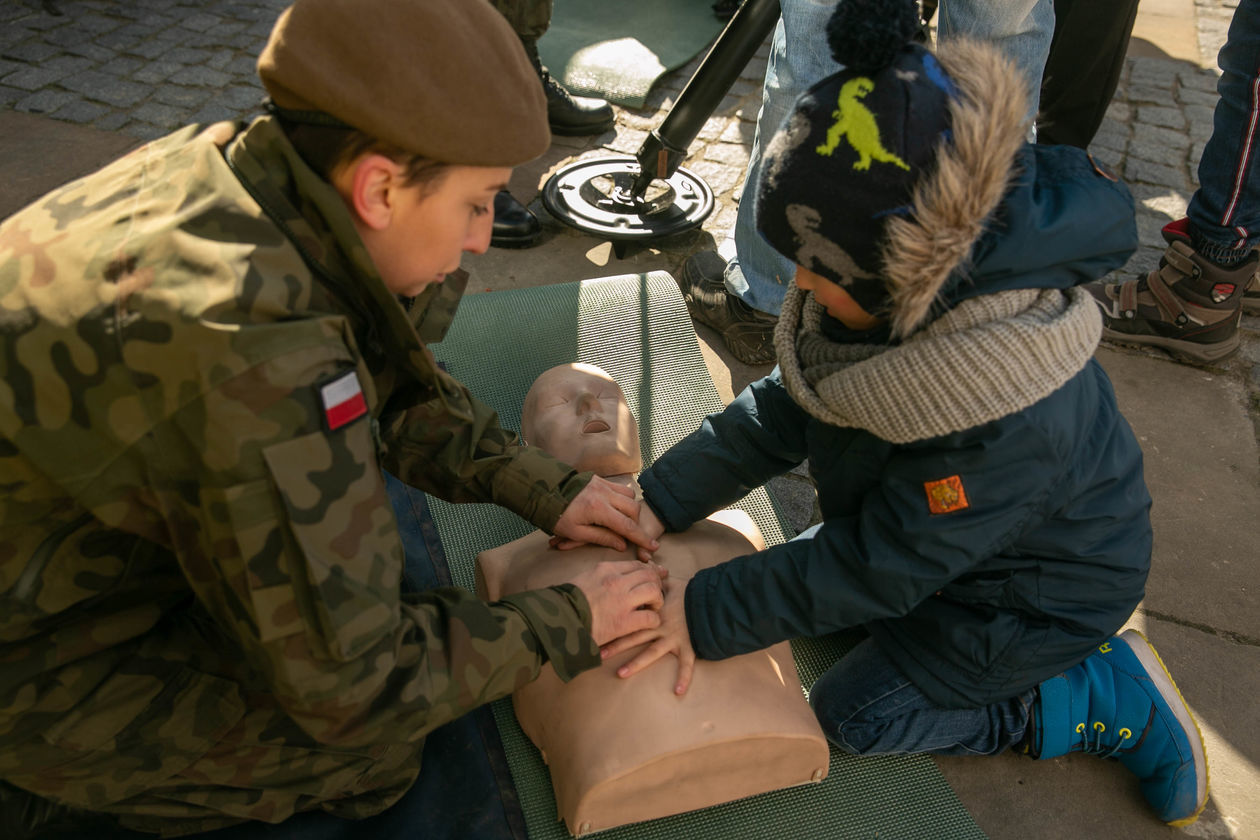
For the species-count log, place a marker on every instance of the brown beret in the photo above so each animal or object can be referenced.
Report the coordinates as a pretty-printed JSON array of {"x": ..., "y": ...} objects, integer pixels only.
[{"x": 446, "y": 79}]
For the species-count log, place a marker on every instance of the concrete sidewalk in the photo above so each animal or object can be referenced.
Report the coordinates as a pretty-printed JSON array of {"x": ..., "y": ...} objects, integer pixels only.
[{"x": 80, "y": 87}]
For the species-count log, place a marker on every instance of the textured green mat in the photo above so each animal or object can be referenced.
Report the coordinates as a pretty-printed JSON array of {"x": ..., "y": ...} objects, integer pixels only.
[
  {"x": 616, "y": 49},
  {"x": 636, "y": 327}
]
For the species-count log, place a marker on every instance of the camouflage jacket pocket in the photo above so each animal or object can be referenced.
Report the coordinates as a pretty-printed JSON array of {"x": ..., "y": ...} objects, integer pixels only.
[
  {"x": 343, "y": 535},
  {"x": 140, "y": 726}
]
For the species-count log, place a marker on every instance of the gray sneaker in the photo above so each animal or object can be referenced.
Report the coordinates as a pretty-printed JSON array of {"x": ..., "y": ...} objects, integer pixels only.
[{"x": 747, "y": 332}]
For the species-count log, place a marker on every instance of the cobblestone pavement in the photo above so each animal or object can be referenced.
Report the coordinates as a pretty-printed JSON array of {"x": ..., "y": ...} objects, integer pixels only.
[{"x": 142, "y": 67}]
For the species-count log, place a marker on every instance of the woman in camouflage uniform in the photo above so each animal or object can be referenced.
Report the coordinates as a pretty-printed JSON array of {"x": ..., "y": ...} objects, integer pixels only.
[{"x": 205, "y": 366}]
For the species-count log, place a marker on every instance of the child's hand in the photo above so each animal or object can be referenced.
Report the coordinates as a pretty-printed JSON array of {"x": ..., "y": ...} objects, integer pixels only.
[{"x": 670, "y": 637}]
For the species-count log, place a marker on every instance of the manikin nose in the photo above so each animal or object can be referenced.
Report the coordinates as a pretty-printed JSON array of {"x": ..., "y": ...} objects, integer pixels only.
[{"x": 587, "y": 402}]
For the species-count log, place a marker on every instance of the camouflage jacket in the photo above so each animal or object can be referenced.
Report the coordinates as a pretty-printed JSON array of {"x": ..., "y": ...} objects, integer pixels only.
[{"x": 201, "y": 377}]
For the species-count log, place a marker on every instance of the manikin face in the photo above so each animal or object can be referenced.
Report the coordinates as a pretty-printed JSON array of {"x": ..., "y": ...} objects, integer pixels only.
[
  {"x": 579, "y": 414},
  {"x": 428, "y": 227},
  {"x": 833, "y": 298}
]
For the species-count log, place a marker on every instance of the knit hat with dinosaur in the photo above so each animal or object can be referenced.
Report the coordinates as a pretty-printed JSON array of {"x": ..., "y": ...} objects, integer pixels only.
[{"x": 855, "y": 145}]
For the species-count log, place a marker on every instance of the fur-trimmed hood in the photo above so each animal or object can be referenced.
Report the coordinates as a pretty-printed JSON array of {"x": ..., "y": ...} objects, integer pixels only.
[{"x": 998, "y": 213}]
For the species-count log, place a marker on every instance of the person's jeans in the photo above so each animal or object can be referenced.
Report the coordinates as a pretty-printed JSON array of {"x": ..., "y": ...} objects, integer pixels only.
[
  {"x": 1225, "y": 210},
  {"x": 866, "y": 707},
  {"x": 757, "y": 273}
]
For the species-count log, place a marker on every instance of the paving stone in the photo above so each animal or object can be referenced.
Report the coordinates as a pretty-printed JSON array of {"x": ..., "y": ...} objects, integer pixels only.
[
  {"x": 1143, "y": 261},
  {"x": 9, "y": 95},
  {"x": 122, "y": 65},
  {"x": 242, "y": 66},
  {"x": 187, "y": 98},
  {"x": 1149, "y": 172},
  {"x": 212, "y": 113},
  {"x": 155, "y": 72},
  {"x": 1149, "y": 95},
  {"x": 719, "y": 178},
  {"x": 79, "y": 111},
  {"x": 1189, "y": 96},
  {"x": 31, "y": 52},
  {"x": 34, "y": 78},
  {"x": 1148, "y": 228},
  {"x": 112, "y": 121},
  {"x": 727, "y": 154},
  {"x": 628, "y": 140},
  {"x": 187, "y": 55},
  {"x": 1161, "y": 116},
  {"x": 151, "y": 48},
  {"x": 1169, "y": 203},
  {"x": 45, "y": 22},
  {"x": 1144, "y": 148},
  {"x": 245, "y": 97},
  {"x": 144, "y": 131},
  {"x": 226, "y": 29},
  {"x": 1155, "y": 72},
  {"x": 1120, "y": 112},
  {"x": 96, "y": 24},
  {"x": 1200, "y": 120},
  {"x": 739, "y": 131},
  {"x": 95, "y": 52},
  {"x": 106, "y": 88},
  {"x": 163, "y": 116},
  {"x": 201, "y": 23},
  {"x": 200, "y": 76},
  {"x": 219, "y": 59},
  {"x": 44, "y": 101}
]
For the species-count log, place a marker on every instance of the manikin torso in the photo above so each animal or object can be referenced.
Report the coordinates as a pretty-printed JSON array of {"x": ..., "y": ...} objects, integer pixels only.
[{"x": 626, "y": 750}]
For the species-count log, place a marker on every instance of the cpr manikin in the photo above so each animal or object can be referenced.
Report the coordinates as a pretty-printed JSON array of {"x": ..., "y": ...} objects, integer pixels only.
[{"x": 626, "y": 750}]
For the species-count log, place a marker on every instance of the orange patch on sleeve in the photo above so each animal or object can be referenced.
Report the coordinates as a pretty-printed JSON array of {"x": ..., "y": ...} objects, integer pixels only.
[{"x": 946, "y": 495}]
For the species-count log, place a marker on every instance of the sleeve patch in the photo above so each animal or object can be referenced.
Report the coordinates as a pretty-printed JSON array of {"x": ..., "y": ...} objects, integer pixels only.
[
  {"x": 343, "y": 400},
  {"x": 946, "y": 495}
]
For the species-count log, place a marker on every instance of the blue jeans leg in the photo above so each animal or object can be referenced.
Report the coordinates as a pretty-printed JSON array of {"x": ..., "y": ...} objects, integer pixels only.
[
  {"x": 800, "y": 56},
  {"x": 1022, "y": 29},
  {"x": 1225, "y": 210},
  {"x": 866, "y": 707}
]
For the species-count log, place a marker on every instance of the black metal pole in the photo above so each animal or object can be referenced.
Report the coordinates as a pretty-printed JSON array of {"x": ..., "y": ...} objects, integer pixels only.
[{"x": 664, "y": 149}]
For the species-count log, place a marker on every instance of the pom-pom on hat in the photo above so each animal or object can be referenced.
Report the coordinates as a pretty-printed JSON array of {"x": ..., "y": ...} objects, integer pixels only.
[
  {"x": 850, "y": 154},
  {"x": 446, "y": 80}
]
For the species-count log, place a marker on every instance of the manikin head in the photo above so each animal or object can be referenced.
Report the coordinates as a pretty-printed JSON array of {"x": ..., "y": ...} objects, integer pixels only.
[{"x": 577, "y": 413}]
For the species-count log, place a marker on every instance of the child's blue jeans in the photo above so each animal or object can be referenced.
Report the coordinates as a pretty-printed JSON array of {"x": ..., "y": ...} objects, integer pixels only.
[{"x": 867, "y": 707}]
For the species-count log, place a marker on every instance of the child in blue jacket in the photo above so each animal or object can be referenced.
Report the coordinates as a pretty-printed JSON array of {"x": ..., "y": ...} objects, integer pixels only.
[{"x": 985, "y": 516}]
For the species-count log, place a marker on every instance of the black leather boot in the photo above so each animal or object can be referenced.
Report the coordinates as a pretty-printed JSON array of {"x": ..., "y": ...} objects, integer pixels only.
[
  {"x": 569, "y": 115},
  {"x": 514, "y": 225}
]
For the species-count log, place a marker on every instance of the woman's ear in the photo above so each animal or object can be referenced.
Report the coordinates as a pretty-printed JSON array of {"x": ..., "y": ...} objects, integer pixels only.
[{"x": 368, "y": 186}]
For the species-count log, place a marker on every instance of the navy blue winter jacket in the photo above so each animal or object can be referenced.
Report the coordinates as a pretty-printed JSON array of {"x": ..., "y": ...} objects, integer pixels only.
[{"x": 974, "y": 606}]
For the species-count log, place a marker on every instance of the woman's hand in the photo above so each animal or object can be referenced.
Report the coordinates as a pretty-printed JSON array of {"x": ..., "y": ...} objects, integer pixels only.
[
  {"x": 624, "y": 596},
  {"x": 670, "y": 636},
  {"x": 607, "y": 514}
]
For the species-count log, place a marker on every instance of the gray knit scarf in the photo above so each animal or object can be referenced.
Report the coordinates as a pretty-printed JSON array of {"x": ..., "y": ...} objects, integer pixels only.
[{"x": 987, "y": 358}]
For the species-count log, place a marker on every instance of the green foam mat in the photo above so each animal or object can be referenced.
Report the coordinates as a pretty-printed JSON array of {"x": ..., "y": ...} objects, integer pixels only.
[
  {"x": 636, "y": 327},
  {"x": 616, "y": 49}
]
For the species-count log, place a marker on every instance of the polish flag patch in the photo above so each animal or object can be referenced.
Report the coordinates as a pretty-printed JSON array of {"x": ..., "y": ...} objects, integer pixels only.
[{"x": 343, "y": 400}]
